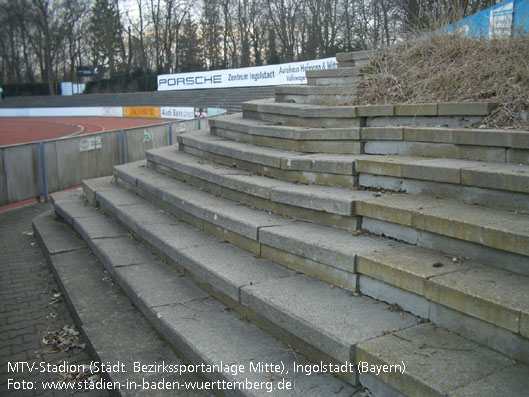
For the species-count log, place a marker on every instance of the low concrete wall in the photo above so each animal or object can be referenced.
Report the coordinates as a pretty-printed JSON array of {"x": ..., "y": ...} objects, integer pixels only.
[
  {"x": 223, "y": 98},
  {"x": 66, "y": 165}
]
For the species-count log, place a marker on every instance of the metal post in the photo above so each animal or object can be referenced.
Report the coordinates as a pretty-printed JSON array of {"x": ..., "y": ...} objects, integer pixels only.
[
  {"x": 199, "y": 122},
  {"x": 170, "y": 134},
  {"x": 122, "y": 134},
  {"x": 43, "y": 167}
]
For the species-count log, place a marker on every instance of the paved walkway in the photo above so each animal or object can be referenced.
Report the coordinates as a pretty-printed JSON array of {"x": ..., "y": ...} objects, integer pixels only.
[{"x": 28, "y": 309}]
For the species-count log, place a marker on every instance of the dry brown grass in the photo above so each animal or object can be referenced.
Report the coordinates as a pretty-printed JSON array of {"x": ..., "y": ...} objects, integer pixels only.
[{"x": 451, "y": 68}]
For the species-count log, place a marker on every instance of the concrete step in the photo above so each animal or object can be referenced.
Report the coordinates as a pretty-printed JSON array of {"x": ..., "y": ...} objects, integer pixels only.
[
  {"x": 301, "y": 139},
  {"x": 386, "y": 265},
  {"x": 432, "y": 285},
  {"x": 325, "y": 205},
  {"x": 492, "y": 241},
  {"x": 308, "y": 115},
  {"x": 316, "y": 94},
  {"x": 487, "y": 242},
  {"x": 321, "y": 169},
  {"x": 303, "y": 115},
  {"x": 334, "y": 77},
  {"x": 497, "y": 185},
  {"x": 279, "y": 297},
  {"x": 460, "y": 368},
  {"x": 492, "y": 236},
  {"x": 199, "y": 326},
  {"x": 117, "y": 333},
  {"x": 505, "y": 146},
  {"x": 356, "y": 58}
]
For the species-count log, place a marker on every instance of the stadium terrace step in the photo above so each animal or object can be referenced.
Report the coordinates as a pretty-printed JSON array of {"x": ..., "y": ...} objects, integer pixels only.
[
  {"x": 480, "y": 233},
  {"x": 406, "y": 275},
  {"x": 275, "y": 299},
  {"x": 507, "y": 232},
  {"x": 262, "y": 192},
  {"x": 315, "y": 94},
  {"x": 502, "y": 146},
  {"x": 308, "y": 115},
  {"x": 321, "y": 169},
  {"x": 505, "y": 146},
  {"x": 200, "y": 328},
  {"x": 334, "y": 77},
  {"x": 301, "y": 139},
  {"x": 357, "y": 58},
  {"x": 101, "y": 311},
  {"x": 278, "y": 299},
  {"x": 497, "y": 185},
  {"x": 326, "y": 205},
  {"x": 453, "y": 372}
]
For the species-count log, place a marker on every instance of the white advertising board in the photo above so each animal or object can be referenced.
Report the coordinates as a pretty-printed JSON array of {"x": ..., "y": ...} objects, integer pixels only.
[
  {"x": 500, "y": 22},
  {"x": 180, "y": 113},
  {"x": 282, "y": 74},
  {"x": 108, "y": 111}
]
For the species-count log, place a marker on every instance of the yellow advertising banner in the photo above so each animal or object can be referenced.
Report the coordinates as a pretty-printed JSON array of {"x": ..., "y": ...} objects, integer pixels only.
[{"x": 142, "y": 111}]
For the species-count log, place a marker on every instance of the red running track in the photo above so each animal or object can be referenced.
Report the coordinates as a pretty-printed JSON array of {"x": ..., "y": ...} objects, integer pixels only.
[{"x": 15, "y": 130}]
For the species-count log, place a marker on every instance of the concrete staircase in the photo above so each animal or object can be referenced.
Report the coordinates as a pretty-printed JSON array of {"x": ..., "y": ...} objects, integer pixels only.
[{"x": 395, "y": 238}]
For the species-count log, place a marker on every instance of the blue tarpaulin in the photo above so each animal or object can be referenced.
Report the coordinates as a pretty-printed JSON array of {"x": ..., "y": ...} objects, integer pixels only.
[{"x": 510, "y": 18}]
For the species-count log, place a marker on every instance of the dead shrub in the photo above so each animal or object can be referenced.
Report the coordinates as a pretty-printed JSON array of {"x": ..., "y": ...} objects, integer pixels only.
[{"x": 452, "y": 68}]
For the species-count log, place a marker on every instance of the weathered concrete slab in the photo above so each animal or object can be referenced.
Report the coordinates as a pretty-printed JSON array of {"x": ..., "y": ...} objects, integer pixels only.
[
  {"x": 173, "y": 237},
  {"x": 69, "y": 202},
  {"x": 469, "y": 136},
  {"x": 493, "y": 228},
  {"x": 407, "y": 267},
  {"x": 510, "y": 177},
  {"x": 312, "y": 90},
  {"x": 207, "y": 333},
  {"x": 242, "y": 151},
  {"x": 288, "y": 303},
  {"x": 490, "y": 294},
  {"x": 468, "y": 194},
  {"x": 191, "y": 165},
  {"x": 90, "y": 186},
  {"x": 101, "y": 307},
  {"x": 498, "y": 339},
  {"x": 97, "y": 227},
  {"x": 388, "y": 293},
  {"x": 382, "y": 133},
  {"x": 513, "y": 381},
  {"x": 458, "y": 362},
  {"x": 465, "y": 109},
  {"x": 227, "y": 268},
  {"x": 56, "y": 235},
  {"x": 119, "y": 252},
  {"x": 328, "y": 163},
  {"x": 323, "y": 244},
  {"x": 440, "y": 150},
  {"x": 156, "y": 285},
  {"x": 320, "y": 198},
  {"x": 338, "y": 72},
  {"x": 395, "y": 208}
]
